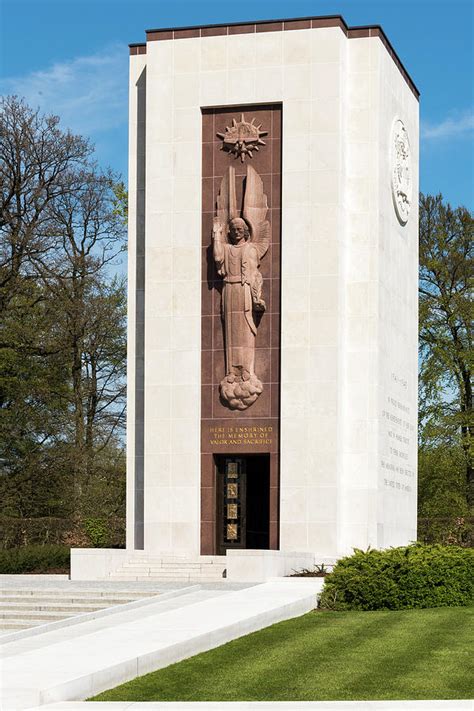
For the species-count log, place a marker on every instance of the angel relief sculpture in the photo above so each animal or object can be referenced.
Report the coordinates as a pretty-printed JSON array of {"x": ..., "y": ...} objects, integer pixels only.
[{"x": 239, "y": 243}]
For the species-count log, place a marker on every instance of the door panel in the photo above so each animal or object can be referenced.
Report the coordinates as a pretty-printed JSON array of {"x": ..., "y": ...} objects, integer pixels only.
[
  {"x": 243, "y": 502},
  {"x": 231, "y": 514}
]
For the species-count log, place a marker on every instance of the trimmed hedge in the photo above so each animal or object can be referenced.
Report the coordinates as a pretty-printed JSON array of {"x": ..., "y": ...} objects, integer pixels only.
[
  {"x": 400, "y": 578},
  {"x": 35, "y": 559}
]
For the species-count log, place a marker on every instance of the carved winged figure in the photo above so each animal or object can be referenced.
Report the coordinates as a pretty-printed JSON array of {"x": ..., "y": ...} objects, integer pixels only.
[{"x": 239, "y": 243}]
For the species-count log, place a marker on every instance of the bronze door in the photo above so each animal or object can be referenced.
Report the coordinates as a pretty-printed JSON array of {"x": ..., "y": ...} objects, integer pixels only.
[{"x": 231, "y": 505}]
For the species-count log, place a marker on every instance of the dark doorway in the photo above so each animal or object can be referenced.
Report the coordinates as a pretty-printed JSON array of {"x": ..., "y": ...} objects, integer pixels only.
[
  {"x": 258, "y": 501},
  {"x": 243, "y": 502}
]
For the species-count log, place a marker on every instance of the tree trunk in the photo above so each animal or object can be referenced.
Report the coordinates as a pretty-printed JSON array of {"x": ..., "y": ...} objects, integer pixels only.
[
  {"x": 92, "y": 402},
  {"x": 78, "y": 456}
]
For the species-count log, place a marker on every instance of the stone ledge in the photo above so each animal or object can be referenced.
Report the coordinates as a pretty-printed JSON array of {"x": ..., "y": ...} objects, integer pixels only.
[{"x": 302, "y": 23}]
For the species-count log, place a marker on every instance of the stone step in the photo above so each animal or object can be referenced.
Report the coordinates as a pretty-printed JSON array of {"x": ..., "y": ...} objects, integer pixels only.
[
  {"x": 170, "y": 575},
  {"x": 172, "y": 569},
  {"x": 52, "y": 607},
  {"x": 23, "y": 608},
  {"x": 155, "y": 568},
  {"x": 165, "y": 566},
  {"x": 65, "y": 599},
  {"x": 127, "y": 595},
  {"x": 178, "y": 564},
  {"x": 19, "y": 624},
  {"x": 39, "y": 616},
  {"x": 140, "y": 577},
  {"x": 159, "y": 560}
]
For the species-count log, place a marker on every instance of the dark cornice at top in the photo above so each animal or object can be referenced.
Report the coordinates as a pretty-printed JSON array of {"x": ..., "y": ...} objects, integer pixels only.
[{"x": 299, "y": 23}]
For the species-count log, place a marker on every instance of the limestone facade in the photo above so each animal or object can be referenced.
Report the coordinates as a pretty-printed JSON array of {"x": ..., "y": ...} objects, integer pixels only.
[{"x": 348, "y": 280}]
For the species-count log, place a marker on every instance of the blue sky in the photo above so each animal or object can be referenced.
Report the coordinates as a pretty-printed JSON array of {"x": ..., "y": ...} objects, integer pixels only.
[{"x": 70, "y": 57}]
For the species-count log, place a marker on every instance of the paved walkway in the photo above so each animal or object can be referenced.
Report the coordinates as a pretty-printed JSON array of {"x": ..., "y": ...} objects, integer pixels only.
[
  {"x": 80, "y": 661},
  {"x": 264, "y": 706}
]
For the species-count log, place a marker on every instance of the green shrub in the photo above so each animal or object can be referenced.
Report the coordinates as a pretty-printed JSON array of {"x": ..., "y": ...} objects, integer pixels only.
[
  {"x": 37, "y": 559},
  {"x": 399, "y": 578},
  {"x": 97, "y": 531}
]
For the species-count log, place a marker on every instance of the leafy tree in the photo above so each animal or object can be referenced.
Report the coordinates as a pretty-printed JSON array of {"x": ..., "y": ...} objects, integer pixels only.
[
  {"x": 446, "y": 279},
  {"x": 443, "y": 512},
  {"x": 121, "y": 201},
  {"x": 62, "y": 346},
  {"x": 88, "y": 236},
  {"x": 33, "y": 396}
]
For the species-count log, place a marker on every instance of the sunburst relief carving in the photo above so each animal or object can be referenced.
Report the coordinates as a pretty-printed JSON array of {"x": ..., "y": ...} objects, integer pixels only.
[{"x": 242, "y": 138}]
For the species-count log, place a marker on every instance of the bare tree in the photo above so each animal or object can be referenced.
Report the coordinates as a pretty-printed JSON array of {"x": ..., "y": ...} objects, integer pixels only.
[{"x": 36, "y": 157}]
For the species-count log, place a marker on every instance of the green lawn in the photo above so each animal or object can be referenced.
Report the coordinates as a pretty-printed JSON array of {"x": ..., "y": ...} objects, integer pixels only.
[{"x": 411, "y": 654}]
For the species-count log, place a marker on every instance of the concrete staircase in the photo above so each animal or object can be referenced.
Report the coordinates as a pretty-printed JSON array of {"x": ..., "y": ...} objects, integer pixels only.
[
  {"x": 148, "y": 567},
  {"x": 22, "y": 608}
]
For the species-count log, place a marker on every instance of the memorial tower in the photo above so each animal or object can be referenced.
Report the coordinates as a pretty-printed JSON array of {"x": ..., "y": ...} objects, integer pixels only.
[{"x": 273, "y": 271}]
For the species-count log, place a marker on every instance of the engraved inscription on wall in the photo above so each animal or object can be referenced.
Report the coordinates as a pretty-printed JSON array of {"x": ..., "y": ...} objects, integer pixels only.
[
  {"x": 241, "y": 435},
  {"x": 400, "y": 429}
]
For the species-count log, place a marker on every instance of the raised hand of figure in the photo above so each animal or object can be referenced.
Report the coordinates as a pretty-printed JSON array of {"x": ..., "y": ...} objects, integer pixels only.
[{"x": 218, "y": 230}]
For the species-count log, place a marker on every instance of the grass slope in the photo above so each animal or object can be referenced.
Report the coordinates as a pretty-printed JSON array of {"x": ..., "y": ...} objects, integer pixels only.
[{"x": 411, "y": 654}]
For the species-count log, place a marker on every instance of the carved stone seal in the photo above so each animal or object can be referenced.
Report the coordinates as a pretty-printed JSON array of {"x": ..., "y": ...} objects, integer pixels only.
[{"x": 401, "y": 170}]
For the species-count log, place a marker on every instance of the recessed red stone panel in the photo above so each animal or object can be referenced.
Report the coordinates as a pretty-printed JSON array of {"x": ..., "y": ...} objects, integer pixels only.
[
  {"x": 137, "y": 49},
  {"x": 335, "y": 21},
  {"x": 358, "y": 32},
  {"x": 155, "y": 35},
  {"x": 187, "y": 33},
  {"x": 269, "y": 26},
  {"x": 241, "y": 29},
  {"x": 255, "y": 430},
  {"x": 215, "y": 31},
  {"x": 297, "y": 24}
]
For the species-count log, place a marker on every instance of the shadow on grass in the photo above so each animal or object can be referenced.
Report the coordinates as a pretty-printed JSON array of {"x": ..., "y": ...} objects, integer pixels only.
[{"x": 323, "y": 656}]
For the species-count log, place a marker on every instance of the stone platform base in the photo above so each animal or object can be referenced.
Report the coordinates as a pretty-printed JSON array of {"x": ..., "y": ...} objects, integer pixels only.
[{"x": 236, "y": 565}]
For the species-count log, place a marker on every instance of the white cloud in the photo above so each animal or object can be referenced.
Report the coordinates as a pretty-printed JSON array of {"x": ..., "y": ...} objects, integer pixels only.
[
  {"x": 451, "y": 127},
  {"x": 88, "y": 93}
]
